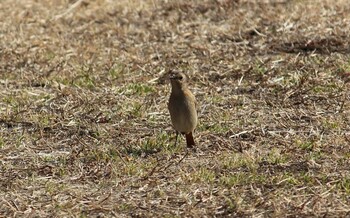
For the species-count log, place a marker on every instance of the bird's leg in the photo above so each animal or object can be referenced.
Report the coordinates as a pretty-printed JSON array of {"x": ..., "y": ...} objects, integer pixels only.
[{"x": 177, "y": 134}]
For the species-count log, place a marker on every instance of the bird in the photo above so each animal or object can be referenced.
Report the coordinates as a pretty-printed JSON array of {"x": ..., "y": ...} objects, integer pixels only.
[{"x": 182, "y": 106}]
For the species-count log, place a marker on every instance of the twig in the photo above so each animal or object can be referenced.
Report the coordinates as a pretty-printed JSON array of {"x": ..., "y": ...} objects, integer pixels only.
[
  {"x": 70, "y": 9},
  {"x": 240, "y": 133}
]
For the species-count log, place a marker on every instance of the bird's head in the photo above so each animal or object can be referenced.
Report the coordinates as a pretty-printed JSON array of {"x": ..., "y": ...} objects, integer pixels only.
[{"x": 178, "y": 79}]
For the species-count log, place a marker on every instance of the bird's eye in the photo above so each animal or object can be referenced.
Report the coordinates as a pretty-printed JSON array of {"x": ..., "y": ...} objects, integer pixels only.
[{"x": 180, "y": 77}]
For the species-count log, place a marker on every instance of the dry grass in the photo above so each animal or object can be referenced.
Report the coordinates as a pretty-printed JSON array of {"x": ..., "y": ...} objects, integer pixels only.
[{"x": 85, "y": 130}]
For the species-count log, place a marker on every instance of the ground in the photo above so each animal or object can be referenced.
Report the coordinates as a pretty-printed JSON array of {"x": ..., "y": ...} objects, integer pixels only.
[{"x": 84, "y": 125}]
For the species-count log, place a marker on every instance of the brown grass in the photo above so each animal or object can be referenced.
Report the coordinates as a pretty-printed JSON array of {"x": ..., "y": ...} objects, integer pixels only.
[{"x": 85, "y": 131}]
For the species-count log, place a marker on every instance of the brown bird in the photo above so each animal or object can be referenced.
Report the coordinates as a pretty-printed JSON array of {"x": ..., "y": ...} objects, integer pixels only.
[{"x": 182, "y": 107}]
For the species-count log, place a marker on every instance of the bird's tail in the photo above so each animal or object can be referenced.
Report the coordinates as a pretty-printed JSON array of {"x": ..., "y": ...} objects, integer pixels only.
[{"x": 189, "y": 140}]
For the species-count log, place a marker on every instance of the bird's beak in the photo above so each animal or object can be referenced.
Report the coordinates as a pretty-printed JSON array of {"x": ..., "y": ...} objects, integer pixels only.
[{"x": 172, "y": 76}]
